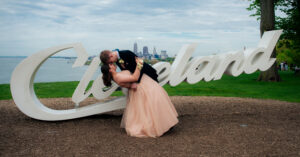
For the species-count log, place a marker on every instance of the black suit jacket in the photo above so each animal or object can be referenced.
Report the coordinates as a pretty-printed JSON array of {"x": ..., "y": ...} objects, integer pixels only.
[{"x": 130, "y": 64}]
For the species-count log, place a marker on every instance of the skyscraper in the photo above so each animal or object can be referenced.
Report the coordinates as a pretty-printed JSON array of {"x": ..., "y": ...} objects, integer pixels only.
[
  {"x": 163, "y": 54},
  {"x": 154, "y": 51},
  {"x": 135, "y": 48},
  {"x": 145, "y": 51},
  {"x": 155, "y": 55}
]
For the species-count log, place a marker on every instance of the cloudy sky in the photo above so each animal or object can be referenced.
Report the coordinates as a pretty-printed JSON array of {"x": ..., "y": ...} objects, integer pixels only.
[{"x": 27, "y": 26}]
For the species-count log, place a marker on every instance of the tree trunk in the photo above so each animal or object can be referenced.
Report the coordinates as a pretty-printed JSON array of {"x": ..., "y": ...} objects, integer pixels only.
[
  {"x": 267, "y": 23},
  {"x": 297, "y": 25},
  {"x": 298, "y": 5}
]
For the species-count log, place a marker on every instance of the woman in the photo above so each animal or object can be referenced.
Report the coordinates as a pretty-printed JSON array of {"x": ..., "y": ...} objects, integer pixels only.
[{"x": 149, "y": 111}]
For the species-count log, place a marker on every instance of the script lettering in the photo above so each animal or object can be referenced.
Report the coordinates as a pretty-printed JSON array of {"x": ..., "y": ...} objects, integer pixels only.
[{"x": 193, "y": 70}]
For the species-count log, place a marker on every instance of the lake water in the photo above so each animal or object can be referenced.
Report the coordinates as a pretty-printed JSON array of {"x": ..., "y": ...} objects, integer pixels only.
[{"x": 52, "y": 70}]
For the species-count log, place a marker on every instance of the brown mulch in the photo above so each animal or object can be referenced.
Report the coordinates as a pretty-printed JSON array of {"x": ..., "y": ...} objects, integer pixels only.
[{"x": 208, "y": 126}]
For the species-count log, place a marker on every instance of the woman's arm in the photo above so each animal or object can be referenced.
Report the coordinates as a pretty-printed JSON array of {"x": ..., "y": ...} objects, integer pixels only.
[{"x": 125, "y": 85}]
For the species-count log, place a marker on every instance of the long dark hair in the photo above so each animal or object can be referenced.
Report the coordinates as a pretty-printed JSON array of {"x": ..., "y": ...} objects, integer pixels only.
[{"x": 106, "y": 75}]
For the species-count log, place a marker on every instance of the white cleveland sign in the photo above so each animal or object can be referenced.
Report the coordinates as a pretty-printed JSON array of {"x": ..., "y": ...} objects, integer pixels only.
[{"x": 199, "y": 68}]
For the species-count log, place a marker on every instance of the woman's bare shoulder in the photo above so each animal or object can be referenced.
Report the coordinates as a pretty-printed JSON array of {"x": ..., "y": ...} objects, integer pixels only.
[{"x": 121, "y": 75}]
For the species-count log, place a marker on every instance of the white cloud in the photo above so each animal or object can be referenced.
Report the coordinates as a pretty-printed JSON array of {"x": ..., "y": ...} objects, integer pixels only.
[{"x": 29, "y": 26}]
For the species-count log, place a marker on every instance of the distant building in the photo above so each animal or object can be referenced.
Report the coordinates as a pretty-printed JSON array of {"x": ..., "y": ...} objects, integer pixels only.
[
  {"x": 145, "y": 51},
  {"x": 163, "y": 54},
  {"x": 154, "y": 51},
  {"x": 135, "y": 48},
  {"x": 140, "y": 54},
  {"x": 155, "y": 55},
  {"x": 146, "y": 54}
]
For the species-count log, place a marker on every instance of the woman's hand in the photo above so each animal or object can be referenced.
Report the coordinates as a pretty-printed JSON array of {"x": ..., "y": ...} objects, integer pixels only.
[
  {"x": 139, "y": 60},
  {"x": 112, "y": 67}
]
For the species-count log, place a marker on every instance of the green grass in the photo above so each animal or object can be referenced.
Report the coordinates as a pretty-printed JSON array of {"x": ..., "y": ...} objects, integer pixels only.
[{"x": 244, "y": 85}]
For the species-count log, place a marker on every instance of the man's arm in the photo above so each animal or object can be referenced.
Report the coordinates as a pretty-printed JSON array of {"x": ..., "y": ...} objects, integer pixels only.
[
  {"x": 128, "y": 55},
  {"x": 150, "y": 71},
  {"x": 127, "y": 78},
  {"x": 147, "y": 69},
  {"x": 129, "y": 58}
]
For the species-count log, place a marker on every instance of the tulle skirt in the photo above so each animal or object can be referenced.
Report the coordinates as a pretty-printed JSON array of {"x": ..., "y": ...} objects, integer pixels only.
[{"x": 149, "y": 111}]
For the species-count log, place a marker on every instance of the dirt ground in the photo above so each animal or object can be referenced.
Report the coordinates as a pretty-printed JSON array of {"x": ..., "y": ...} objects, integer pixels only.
[{"x": 208, "y": 126}]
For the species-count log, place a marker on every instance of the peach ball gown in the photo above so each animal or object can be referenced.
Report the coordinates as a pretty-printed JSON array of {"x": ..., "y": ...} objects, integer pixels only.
[{"x": 149, "y": 111}]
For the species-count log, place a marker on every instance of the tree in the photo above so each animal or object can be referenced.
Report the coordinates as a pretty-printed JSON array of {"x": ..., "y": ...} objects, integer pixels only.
[
  {"x": 290, "y": 24},
  {"x": 267, "y": 22},
  {"x": 291, "y": 29}
]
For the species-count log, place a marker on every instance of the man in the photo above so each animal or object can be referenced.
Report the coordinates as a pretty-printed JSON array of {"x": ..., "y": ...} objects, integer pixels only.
[{"x": 125, "y": 60}]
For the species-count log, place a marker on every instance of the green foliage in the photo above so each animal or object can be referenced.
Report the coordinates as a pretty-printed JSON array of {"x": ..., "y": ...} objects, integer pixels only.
[
  {"x": 287, "y": 53},
  {"x": 169, "y": 59},
  {"x": 153, "y": 61},
  {"x": 254, "y": 6},
  {"x": 242, "y": 86},
  {"x": 283, "y": 57},
  {"x": 289, "y": 48},
  {"x": 290, "y": 23}
]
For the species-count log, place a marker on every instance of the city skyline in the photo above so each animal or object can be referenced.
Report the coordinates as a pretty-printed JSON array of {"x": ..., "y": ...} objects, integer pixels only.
[{"x": 147, "y": 53}]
